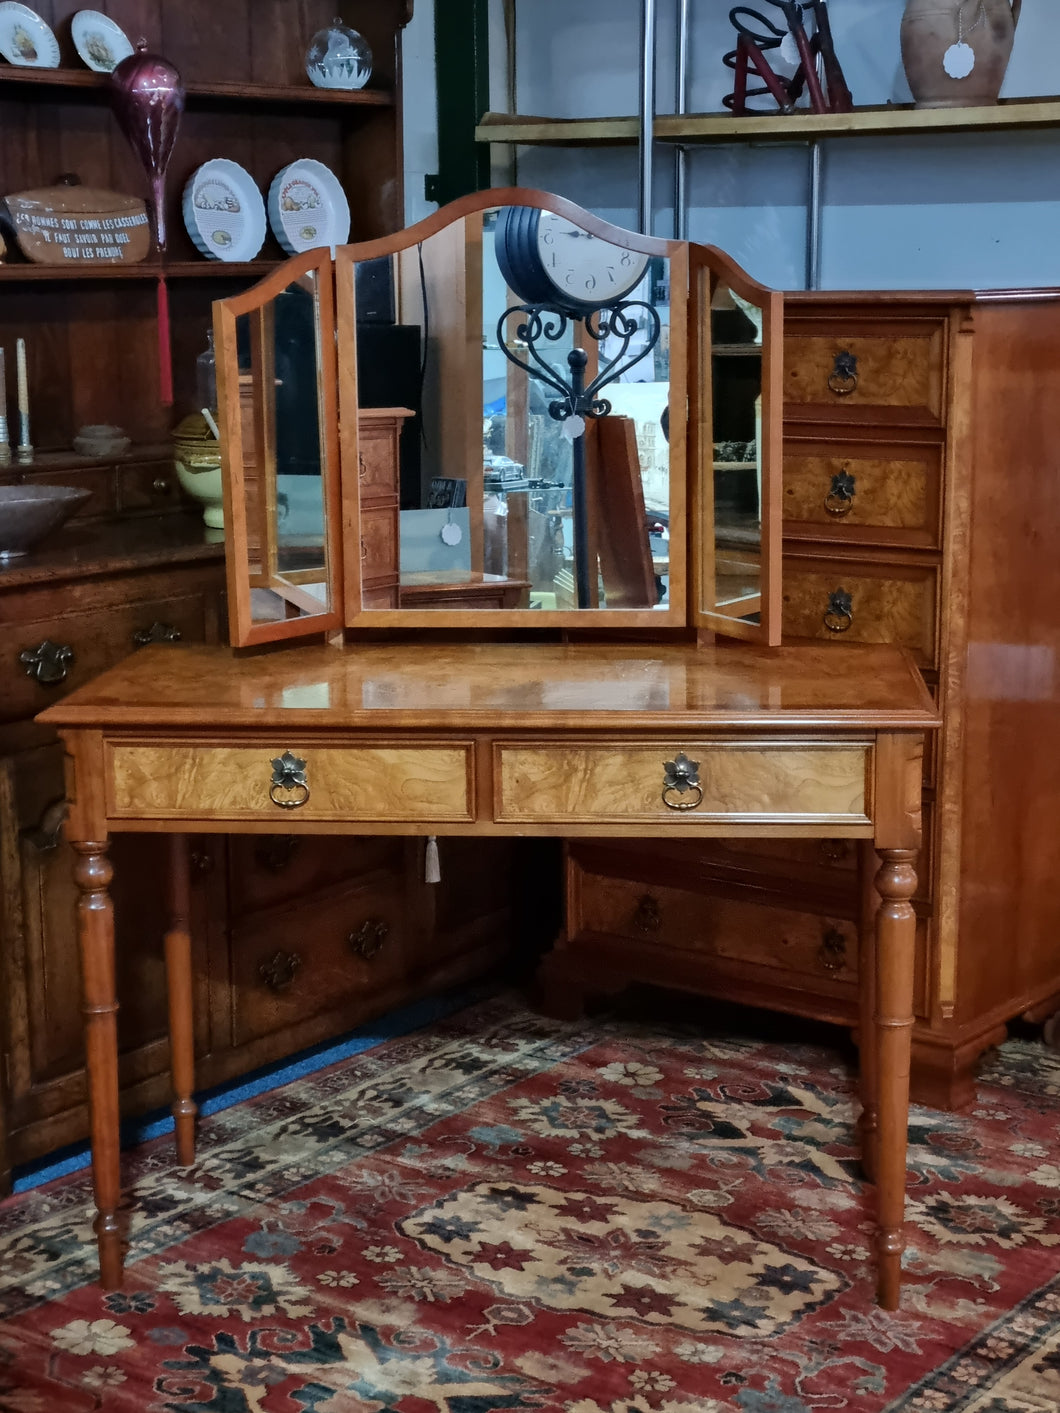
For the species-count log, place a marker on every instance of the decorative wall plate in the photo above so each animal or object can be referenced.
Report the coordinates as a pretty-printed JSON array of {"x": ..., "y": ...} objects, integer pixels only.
[
  {"x": 25, "y": 39},
  {"x": 224, "y": 211},
  {"x": 308, "y": 207},
  {"x": 99, "y": 41}
]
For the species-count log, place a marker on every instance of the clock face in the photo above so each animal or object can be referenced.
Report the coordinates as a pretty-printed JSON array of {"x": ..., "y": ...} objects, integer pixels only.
[
  {"x": 546, "y": 259},
  {"x": 584, "y": 269}
]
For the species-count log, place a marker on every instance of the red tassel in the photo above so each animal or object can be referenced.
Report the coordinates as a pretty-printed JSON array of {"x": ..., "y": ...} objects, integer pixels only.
[{"x": 165, "y": 352}]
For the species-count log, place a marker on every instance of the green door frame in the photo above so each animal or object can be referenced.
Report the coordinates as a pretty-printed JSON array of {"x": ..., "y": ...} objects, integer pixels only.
[{"x": 462, "y": 65}]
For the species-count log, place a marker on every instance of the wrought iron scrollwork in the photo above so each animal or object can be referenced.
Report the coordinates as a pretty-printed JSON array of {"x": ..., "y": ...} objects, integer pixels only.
[
  {"x": 289, "y": 779},
  {"x": 48, "y": 663},
  {"x": 681, "y": 778}
]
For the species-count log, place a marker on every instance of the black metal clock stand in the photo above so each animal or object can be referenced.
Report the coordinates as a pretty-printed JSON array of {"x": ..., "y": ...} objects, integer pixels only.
[{"x": 546, "y": 324}]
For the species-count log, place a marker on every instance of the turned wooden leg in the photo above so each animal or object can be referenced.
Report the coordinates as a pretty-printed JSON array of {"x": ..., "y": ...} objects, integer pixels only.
[
  {"x": 868, "y": 1066},
  {"x": 181, "y": 1000},
  {"x": 95, "y": 926},
  {"x": 895, "y": 968}
]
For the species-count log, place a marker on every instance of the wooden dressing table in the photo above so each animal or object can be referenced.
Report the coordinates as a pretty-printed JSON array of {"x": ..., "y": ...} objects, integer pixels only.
[{"x": 672, "y": 737}]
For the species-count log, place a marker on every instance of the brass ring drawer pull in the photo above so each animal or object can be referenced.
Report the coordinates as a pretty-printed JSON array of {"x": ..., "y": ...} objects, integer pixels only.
[
  {"x": 840, "y": 498},
  {"x": 367, "y": 940},
  {"x": 647, "y": 917},
  {"x": 681, "y": 778},
  {"x": 288, "y": 775},
  {"x": 362, "y": 467},
  {"x": 48, "y": 663},
  {"x": 278, "y": 972},
  {"x": 157, "y": 633},
  {"x": 843, "y": 379},
  {"x": 832, "y": 953},
  {"x": 839, "y": 615}
]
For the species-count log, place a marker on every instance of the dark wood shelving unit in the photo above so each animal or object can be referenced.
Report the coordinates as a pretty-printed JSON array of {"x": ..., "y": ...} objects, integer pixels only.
[
  {"x": 89, "y": 83},
  {"x": 202, "y": 269}
]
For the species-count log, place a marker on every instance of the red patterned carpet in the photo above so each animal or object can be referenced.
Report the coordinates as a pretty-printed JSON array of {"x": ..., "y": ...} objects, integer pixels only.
[{"x": 501, "y": 1212}]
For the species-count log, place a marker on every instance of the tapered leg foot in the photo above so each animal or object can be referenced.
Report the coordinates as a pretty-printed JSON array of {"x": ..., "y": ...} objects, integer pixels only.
[
  {"x": 95, "y": 927},
  {"x": 895, "y": 968},
  {"x": 181, "y": 1000}
]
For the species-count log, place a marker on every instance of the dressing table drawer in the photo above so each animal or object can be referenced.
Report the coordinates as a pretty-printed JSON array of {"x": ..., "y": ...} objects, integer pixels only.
[
  {"x": 864, "y": 493},
  {"x": 858, "y": 601},
  {"x": 679, "y": 783},
  {"x": 873, "y": 371},
  {"x": 286, "y": 783}
]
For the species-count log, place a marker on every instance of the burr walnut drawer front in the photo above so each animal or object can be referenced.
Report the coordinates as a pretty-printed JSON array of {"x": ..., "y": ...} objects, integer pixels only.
[
  {"x": 729, "y": 929},
  {"x": 856, "y": 492},
  {"x": 287, "y": 783},
  {"x": 862, "y": 602},
  {"x": 681, "y": 783},
  {"x": 378, "y": 451},
  {"x": 379, "y": 544},
  {"x": 877, "y": 371}
]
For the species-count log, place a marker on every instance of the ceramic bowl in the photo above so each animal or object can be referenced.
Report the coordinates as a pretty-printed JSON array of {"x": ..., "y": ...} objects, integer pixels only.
[
  {"x": 101, "y": 441},
  {"x": 27, "y": 513}
]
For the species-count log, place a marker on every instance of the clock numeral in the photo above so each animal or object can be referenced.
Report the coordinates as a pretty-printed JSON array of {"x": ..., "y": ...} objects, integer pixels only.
[
  {"x": 626, "y": 258},
  {"x": 590, "y": 283},
  {"x": 548, "y": 236},
  {"x": 611, "y": 273},
  {"x": 570, "y": 277}
]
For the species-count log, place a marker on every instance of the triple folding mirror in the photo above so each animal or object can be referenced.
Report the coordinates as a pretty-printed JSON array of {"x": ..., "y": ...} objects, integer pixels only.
[{"x": 511, "y": 408}]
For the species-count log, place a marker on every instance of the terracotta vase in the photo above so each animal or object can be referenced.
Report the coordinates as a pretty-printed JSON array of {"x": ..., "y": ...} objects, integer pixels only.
[{"x": 930, "y": 28}]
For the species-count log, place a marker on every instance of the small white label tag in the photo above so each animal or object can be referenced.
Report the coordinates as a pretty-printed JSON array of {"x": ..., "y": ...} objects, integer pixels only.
[
  {"x": 572, "y": 428},
  {"x": 789, "y": 50},
  {"x": 959, "y": 60},
  {"x": 451, "y": 533}
]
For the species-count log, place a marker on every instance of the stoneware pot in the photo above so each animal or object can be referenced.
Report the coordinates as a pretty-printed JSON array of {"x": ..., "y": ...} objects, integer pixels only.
[
  {"x": 197, "y": 459},
  {"x": 933, "y": 29}
]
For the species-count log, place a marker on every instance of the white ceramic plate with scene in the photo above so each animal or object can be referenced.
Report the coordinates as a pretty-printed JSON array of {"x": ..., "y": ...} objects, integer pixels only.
[
  {"x": 99, "y": 41},
  {"x": 224, "y": 211},
  {"x": 308, "y": 207},
  {"x": 25, "y": 39}
]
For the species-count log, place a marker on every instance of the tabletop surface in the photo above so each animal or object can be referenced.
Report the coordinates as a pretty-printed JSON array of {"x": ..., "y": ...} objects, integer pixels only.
[{"x": 497, "y": 686}]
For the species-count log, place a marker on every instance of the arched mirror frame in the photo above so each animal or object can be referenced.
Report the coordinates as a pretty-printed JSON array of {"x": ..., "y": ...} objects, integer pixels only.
[
  {"x": 245, "y": 435},
  {"x": 698, "y": 270},
  {"x": 676, "y": 611}
]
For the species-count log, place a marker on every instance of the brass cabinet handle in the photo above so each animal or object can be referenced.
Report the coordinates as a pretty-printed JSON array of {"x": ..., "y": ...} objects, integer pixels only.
[
  {"x": 48, "y": 663},
  {"x": 362, "y": 467},
  {"x": 840, "y": 498},
  {"x": 367, "y": 940},
  {"x": 843, "y": 379},
  {"x": 202, "y": 862},
  {"x": 157, "y": 633},
  {"x": 288, "y": 776},
  {"x": 839, "y": 615},
  {"x": 834, "y": 851},
  {"x": 161, "y": 486},
  {"x": 681, "y": 778},
  {"x": 364, "y": 550},
  {"x": 278, "y": 971},
  {"x": 647, "y": 917},
  {"x": 832, "y": 953}
]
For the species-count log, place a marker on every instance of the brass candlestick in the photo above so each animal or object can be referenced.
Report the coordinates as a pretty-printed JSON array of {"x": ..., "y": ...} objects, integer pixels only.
[{"x": 5, "y": 440}]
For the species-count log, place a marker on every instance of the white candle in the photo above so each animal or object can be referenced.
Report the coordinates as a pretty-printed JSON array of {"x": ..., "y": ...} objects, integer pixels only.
[{"x": 23, "y": 381}]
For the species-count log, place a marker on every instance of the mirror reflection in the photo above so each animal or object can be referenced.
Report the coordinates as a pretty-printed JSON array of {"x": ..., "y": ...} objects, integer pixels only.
[
  {"x": 284, "y": 453},
  {"x": 736, "y": 374},
  {"x": 524, "y": 366}
]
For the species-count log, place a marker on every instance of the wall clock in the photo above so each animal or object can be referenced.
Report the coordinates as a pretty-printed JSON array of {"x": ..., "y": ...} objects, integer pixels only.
[{"x": 548, "y": 260}]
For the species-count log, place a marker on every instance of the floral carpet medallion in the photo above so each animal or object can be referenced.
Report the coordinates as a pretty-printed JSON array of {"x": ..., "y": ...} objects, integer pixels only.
[{"x": 502, "y": 1212}]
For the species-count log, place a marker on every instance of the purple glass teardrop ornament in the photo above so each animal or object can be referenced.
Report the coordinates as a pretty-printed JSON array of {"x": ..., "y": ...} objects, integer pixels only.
[{"x": 148, "y": 98}]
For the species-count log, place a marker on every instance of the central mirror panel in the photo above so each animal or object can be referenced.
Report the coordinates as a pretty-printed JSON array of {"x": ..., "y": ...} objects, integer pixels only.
[{"x": 506, "y": 385}]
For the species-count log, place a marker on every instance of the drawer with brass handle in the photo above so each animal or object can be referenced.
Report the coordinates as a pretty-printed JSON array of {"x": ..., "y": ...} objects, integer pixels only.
[
  {"x": 859, "y": 601},
  {"x": 663, "y": 918},
  {"x": 379, "y": 544},
  {"x": 857, "y": 493},
  {"x": 711, "y": 782},
  {"x": 881, "y": 371},
  {"x": 275, "y": 783},
  {"x": 311, "y": 956}
]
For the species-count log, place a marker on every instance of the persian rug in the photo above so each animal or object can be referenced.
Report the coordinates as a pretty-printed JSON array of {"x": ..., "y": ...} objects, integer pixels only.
[{"x": 503, "y": 1212}]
